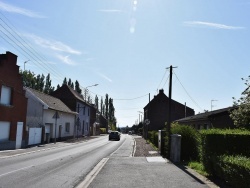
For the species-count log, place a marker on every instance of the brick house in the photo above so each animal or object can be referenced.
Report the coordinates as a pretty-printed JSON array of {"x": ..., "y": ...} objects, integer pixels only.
[
  {"x": 76, "y": 103},
  {"x": 214, "y": 119},
  {"x": 13, "y": 104},
  {"x": 156, "y": 111}
]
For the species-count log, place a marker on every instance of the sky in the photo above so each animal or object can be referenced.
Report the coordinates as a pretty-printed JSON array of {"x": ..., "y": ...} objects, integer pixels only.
[{"x": 126, "y": 46}]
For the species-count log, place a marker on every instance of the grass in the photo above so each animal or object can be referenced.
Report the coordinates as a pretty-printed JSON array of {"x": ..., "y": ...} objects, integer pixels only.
[{"x": 198, "y": 167}]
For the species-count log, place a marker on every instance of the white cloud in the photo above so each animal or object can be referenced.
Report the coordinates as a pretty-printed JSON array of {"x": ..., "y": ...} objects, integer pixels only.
[
  {"x": 53, "y": 45},
  {"x": 66, "y": 59},
  {"x": 105, "y": 77},
  {"x": 13, "y": 9},
  {"x": 212, "y": 25}
]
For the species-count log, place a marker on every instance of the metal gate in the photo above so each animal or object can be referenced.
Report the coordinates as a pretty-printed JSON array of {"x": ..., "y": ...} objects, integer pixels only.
[{"x": 35, "y": 136}]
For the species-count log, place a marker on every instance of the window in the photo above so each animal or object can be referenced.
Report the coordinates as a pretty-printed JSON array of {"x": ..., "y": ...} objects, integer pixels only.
[
  {"x": 67, "y": 127},
  {"x": 84, "y": 110},
  {"x": 5, "y": 95},
  {"x": 5, "y": 130}
]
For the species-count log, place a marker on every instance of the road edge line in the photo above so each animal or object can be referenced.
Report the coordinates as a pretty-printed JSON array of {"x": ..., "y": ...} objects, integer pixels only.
[{"x": 92, "y": 174}]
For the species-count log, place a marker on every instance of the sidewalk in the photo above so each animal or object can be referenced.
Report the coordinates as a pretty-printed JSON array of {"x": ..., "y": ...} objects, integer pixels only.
[{"x": 141, "y": 172}]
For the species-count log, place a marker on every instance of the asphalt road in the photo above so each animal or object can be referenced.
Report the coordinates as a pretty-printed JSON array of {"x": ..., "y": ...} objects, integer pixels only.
[{"x": 63, "y": 166}]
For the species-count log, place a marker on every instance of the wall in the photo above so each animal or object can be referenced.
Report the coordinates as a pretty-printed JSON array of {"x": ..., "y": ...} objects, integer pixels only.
[{"x": 63, "y": 118}]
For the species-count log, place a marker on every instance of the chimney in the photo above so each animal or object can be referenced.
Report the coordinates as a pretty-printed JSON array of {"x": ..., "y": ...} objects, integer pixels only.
[{"x": 161, "y": 91}]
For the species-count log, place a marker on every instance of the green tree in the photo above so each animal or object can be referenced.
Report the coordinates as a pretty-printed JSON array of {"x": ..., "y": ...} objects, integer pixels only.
[
  {"x": 48, "y": 88},
  {"x": 96, "y": 102},
  {"x": 77, "y": 87},
  {"x": 58, "y": 86},
  {"x": 65, "y": 81},
  {"x": 107, "y": 107},
  {"x": 241, "y": 115},
  {"x": 101, "y": 106},
  {"x": 28, "y": 79},
  {"x": 69, "y": 82},
  {"x": 39, "y": 82}
]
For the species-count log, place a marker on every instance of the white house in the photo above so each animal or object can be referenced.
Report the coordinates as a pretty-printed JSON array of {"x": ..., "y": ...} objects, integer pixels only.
[{"x": 48, "y": 118}]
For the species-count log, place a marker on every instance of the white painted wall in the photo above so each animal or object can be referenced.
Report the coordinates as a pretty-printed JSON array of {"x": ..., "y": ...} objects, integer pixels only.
[{"x": 62, "y": 120}]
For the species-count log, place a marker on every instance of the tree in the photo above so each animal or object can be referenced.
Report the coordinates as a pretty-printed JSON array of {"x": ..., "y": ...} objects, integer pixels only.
[
  {"x": 65, "y": 81},
  {"x": 69, "y": 82},
  {"x": 102, "y": 106},
  {"x": 28, "y": 79},
  {"x": 106, "y": 106},
  {"x": 48, "y": 88},
  {"x": 77, "y": 87},
  {"x": 241, "y": 115},
  {"x": 96, "y": 102},
  {"x": 58, "y": 86},
  {"x": 39, "y": 82}
]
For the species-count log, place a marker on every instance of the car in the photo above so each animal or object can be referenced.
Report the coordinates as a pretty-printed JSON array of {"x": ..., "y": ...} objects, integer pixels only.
[
  {"x": 130, "y": 132},
  {"x": 114, "y": 135}
]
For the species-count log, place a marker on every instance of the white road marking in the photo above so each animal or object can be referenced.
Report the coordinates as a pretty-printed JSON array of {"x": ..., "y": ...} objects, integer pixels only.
[{"x": 16, "y": 170}]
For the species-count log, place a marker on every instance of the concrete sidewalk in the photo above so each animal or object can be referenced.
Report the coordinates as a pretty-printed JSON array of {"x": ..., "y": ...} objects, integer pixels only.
[
  {"x": 139, "y": 172},
  {"x": 121, "y": 170}
]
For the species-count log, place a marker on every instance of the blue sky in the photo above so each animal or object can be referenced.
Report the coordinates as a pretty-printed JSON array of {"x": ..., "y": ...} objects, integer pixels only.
[{"x": 125, "y": 46}]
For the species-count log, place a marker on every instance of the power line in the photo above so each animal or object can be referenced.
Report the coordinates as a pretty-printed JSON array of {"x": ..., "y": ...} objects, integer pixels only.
[
  {"x": 188, "y": 93},
  {"x": 162, "y": 79},
  {"x": 131, "y": 98}
]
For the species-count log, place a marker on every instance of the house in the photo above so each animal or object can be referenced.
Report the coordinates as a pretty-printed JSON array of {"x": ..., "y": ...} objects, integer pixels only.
[
  {"x": 156, "y": 111},
  {"x": 13, "y": 104},
  {"x": 214, "y": 119},
  {"x": 76, "y": 103},
  {"x": 48, "y": 118},
  {"x": 103, "y": 122},
  {"x": 94, "y": 121}
]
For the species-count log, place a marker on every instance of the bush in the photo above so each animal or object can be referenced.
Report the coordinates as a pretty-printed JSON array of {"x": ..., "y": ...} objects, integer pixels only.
[
  {"x": 189, "y": 141},
  {"x": 103, "y": 130},
  {"x": 153, "y": 137},
  {"x": 217, "y": 142},
  {"x": 233, "y": 169}
]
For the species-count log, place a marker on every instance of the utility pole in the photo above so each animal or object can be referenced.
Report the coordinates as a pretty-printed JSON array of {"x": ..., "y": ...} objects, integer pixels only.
[{"x": 169, "y": 109}]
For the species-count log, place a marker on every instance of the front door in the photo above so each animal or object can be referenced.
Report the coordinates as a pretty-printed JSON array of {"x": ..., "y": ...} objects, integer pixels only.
[{"x": 19, "y": 135}]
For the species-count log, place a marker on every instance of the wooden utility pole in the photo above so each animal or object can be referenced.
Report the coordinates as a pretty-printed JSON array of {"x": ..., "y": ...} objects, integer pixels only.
[{"x": 169, "y": 109}]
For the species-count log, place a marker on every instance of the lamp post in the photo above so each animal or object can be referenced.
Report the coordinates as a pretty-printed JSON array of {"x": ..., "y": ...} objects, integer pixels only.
[
  {"x": 212, "y": 103},
  {"x": 24, "y": 64},
  {"x": 86, "y": 90}
]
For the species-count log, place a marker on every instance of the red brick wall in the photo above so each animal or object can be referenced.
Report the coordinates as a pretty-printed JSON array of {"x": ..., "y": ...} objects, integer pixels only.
[{"x": 10, "y": 77}]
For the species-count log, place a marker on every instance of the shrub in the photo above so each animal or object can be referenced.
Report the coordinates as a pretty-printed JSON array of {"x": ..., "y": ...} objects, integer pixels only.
[
  {"x": 103, "y": 130},
  {"x": 189, "y": 141},
  {"x": 233, "y": 169},
  {"x": 216, "y": 142},
  {"x": 153, "y": 137}
]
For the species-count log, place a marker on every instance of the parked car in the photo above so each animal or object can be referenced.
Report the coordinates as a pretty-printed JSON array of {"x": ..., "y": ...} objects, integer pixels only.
[
  {"x": 130, "y": 132},
  {"x": 114, "y": 135}
]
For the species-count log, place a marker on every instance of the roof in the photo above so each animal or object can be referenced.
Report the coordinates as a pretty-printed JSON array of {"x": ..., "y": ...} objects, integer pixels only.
[
  {"x": 76, "y": 95},
  {"x": 52, "y": 102},
  {"x": 206, "y": 115}
]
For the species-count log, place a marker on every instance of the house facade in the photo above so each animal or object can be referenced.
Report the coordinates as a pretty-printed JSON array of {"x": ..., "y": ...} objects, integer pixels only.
[
  {"x": 48, "y": 118},
  {"x": 156, "y": 111},
  {"x": 13, "y": 104},
  {"x": 76, "y": 103},
  {"x": 214, "y": 119}
]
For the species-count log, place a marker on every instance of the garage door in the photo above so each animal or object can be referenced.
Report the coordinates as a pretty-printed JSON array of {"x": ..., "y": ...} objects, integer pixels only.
[{"x": 35, "y": 136}]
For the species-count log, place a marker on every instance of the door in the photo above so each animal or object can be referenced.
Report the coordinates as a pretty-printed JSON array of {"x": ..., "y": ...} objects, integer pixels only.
[
  {"x": 35, "y": 136},
  {"x": 19, "y": 135}
]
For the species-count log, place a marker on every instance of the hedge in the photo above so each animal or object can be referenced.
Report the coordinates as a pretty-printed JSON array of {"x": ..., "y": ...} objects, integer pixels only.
[
  {"x": 235, "y": 170},
  {"x": 216, "y": 142}
]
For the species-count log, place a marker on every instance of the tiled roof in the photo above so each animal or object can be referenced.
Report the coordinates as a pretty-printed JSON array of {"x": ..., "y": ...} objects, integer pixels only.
[
  {"x": 77, "y": 95},
  {"x": 51, "y": 102},
  {"x": 205, "y": 115}
]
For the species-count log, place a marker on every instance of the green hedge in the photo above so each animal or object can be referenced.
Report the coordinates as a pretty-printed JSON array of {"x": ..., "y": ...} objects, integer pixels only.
[
  {"x": 189, "y": 141},
  {"x": 103, "y": 130},
  {"x": 216, "y": 142},
  {"x": 153, "y": 137},
  {"x": 233, "y": 169}
]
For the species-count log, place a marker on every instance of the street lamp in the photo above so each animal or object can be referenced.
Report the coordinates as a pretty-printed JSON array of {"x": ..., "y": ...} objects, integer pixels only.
[
  {"x": 86, "y": 90},
  {"x": 24, "y": 64},
  {"x": 212, "y": 103}
]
